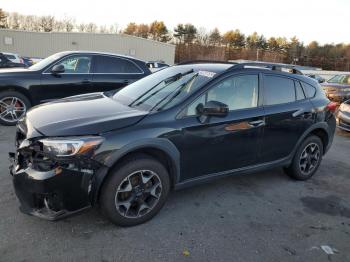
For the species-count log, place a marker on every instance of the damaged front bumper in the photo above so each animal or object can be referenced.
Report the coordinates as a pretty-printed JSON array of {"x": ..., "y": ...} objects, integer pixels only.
[{"x": 53, "y": 194}]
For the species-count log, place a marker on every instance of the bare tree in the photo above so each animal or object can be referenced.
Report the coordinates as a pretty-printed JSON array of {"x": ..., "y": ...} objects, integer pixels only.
[
  {"x": 46, "y": 23},
  {"x": 3, "y": 19}
]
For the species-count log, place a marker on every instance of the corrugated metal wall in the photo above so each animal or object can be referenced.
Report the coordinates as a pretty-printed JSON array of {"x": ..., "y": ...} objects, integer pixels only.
[{"x": 37, "y": 44}]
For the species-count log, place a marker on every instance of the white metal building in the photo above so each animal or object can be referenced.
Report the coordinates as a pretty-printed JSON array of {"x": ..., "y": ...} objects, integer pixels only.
[{"x": 40, "y": 44}]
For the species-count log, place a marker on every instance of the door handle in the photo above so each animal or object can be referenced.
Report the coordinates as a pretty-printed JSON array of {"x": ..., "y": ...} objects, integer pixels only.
[
  {"x": 257, "y": 123},
  {"x": 302, "y": 113}
]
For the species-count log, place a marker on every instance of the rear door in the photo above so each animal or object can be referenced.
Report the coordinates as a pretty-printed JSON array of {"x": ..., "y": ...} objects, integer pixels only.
[
  {"x": 113, "y": 73},
  {"x": 75, "y": 80},
  {"x": 288, "y": 114}
]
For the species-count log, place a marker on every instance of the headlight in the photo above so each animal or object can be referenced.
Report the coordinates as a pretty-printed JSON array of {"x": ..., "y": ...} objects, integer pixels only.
[
  {"x": 70, "y": 146},
  {"x": 344, "y": 107}
]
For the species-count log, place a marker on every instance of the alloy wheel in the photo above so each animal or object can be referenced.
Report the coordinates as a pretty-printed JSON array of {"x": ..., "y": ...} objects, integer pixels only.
[
  {"x": 309, "y": 158},
  {"x": 11, "y": 109},
  {"x": 138, "y": 194}
]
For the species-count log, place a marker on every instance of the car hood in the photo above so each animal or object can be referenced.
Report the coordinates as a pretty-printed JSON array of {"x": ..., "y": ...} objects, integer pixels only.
[
  {"x": 87, "y": 114},
  {"x": 14, "y": 72}
]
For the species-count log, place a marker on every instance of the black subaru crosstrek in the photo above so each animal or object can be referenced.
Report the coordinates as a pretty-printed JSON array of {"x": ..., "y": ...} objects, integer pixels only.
[{"x": 181, "y": 126}]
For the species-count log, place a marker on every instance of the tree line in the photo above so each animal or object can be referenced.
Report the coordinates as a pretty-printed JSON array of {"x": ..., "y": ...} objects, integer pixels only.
[{"x": 198, "y": 43}]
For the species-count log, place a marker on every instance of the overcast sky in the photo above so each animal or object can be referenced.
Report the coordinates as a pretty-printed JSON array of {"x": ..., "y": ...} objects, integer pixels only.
[{"x": 326, "y": 21}]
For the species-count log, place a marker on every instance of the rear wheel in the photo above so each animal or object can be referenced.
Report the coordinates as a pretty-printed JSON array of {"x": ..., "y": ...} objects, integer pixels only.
[
  {"x": 13, "y": 106},
  {"x": 135, "y": 191},
  {"x": 307, "y": 159}
]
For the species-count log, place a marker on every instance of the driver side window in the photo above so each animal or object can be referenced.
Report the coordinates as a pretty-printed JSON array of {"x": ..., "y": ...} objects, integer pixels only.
[
  {"x": 237, "y": 92},
  {"x": 76, "y": 64}
]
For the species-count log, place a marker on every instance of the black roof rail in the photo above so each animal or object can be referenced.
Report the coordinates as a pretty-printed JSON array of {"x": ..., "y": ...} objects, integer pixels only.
[
  {"x": 206, "y": 61},
  {"x": 271, "y": 66}
]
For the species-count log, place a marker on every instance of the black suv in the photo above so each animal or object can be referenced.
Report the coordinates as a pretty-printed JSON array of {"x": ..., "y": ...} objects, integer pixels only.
[
  {"x": 61, "y": 75},
  {"x": 183, "y": 125}
]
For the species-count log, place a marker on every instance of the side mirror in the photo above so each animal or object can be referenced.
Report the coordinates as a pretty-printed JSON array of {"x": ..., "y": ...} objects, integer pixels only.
[
  {"x": 57, "y": 69},
  {"x": 321, "y": 80},
  {"x": 212, "y": 108}
]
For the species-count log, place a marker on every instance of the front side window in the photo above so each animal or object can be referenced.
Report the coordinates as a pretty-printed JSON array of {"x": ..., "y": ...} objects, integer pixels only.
[
  {"x": 278, "y": 90},
  {"x": 76, "y": 64},
  {"x": 115, "y": 65},
  {"x": 237, "y": 92}
]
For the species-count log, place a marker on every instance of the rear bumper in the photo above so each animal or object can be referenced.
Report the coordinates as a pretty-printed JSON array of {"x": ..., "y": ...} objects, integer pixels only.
[
  {"x": 343, "y": 121},
  {"x": 53, "y": 194}
]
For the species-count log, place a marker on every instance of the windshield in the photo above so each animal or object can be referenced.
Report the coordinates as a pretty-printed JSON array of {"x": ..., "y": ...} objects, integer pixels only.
[
  {"x": 163, "y": 89},
  {"x": 45, "y": 62},
  {"x": 340, "y": 79}
]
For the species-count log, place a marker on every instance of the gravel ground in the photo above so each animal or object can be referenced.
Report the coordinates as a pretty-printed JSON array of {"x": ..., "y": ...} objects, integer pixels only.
[{"x": 259, "y": 217}]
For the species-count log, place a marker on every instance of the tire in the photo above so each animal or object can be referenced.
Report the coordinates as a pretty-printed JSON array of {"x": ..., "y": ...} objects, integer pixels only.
[
  {"x": 120, "y": 187},
  {"x": 298, "y": 168},
  {"x": 17, "y": 103}
]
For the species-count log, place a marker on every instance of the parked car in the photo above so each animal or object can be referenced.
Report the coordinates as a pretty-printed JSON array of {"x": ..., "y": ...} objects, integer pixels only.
[
  {"x": 318, "y": 78},
  {"x": 180, "y": 126},
  {"x": 338, "y": 88},
  {"x": 14, "y": 58},
  {"x": 343, "y": 116},
  {"x": 64, "y": 74},
  {"x": 7, "y": 63},
  {"x": 155, "y": 66},
  {"x": 27, "y": 61}
]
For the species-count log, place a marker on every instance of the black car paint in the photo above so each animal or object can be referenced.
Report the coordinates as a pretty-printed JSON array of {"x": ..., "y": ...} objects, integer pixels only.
[
  {"x": 40, "y": 86},
  {"x": 193, "y": 151}
]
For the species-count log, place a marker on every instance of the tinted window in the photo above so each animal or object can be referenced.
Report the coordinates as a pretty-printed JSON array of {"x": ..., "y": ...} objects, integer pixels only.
[
  {"x": 11, "y": 57},
  {"x": 238, "y": 92},
  {"x": 299, "y": 91},
  {"x": 76, "y": 64},
  {"x": 309, "y": 90},
  {"x": 114, "y": 65},
  {"x": 278, "y": 90}
]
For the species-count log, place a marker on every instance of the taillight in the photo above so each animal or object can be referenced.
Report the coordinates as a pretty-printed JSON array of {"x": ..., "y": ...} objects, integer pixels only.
[{"x": 332, "y": 106}]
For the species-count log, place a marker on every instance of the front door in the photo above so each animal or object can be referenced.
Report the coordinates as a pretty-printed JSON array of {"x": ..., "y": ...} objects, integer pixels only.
[
  {"x": 75, "y": 80},
  {"x": 222, "y": 143}
]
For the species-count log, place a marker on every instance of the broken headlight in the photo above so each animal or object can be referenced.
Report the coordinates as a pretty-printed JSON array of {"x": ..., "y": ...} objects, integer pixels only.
[{"x": 70, "y": 146}]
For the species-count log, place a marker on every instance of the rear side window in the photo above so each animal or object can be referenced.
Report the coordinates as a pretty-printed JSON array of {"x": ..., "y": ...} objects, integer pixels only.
[
  {"x": 310, "y": 91},
  {"x": 299, "y": 91},
  {"x": 278, "y": 90},
  {"x": 115, "y": 65}
]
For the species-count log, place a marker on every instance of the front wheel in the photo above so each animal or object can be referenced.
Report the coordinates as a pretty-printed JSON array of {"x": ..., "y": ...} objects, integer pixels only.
[
  {"x": 135, "y": 191},
  {"x": 13, "y": 106},
  {"x": 307, "y": 159}
]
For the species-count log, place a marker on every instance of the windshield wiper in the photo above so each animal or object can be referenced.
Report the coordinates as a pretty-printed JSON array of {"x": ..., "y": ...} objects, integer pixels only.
[
  {"x": 172, "y": 96},
  {"x": 167, "y": 82}
]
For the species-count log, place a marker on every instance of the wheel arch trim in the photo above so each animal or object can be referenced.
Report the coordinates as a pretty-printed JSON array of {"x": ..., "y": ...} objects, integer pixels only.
[{"x": 160, "y": 144}]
